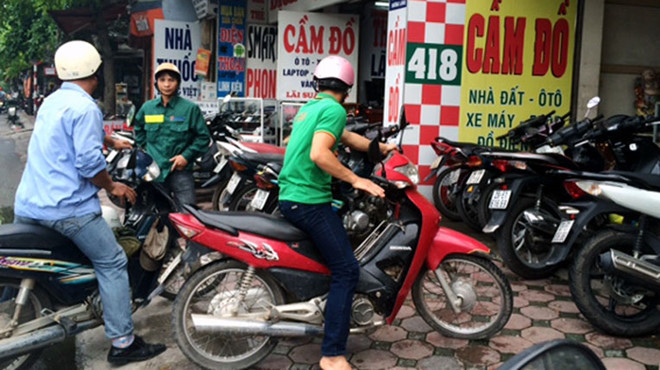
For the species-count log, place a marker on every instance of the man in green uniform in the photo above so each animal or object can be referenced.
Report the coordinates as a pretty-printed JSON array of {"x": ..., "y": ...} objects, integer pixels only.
[
  {"x": 305, "y": 195},
  {"x": 173, "y": 132}
]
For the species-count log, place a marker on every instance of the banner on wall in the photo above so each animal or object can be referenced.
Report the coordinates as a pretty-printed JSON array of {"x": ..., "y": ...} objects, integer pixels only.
[
  {"x": 296, "y": 5},
  {"x": 261, "y": 79},
  {"x": 518, "y": 62},
  {"x": 306, "y": 38},
  {"x": 396, "y": 61},
  {"x": 177, "y": 43},
  {"x": 231, "y": 47},
  {"x": 257, "y": 11}
]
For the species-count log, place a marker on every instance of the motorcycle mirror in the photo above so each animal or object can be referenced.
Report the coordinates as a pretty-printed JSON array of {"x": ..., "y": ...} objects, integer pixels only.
[
  {"x": 130, "y": 115},
  {"x": 226, "y": 99},
  {"x": 554, "y": 355},
  {"x": 402, "y": 118},
  {"x": 591, "y": 104},
  {"x": 373, "y": 153}
]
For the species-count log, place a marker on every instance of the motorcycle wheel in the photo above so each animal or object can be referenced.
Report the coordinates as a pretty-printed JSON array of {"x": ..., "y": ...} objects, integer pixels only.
[
  {"x": 176, "y": 281},
  {"x": 217, "y": 350},
  {"x": 468, "y": 206},
  {"x": 37, "y": 300},
  {"x": 483, "y": 211},
  {"x": 443, "y": 195},
  {"x": 611, "y": 303},
  {"x": 218, "y": 195},
  {"x": 520, "y": 254},
  {"x": 487, "y": 299},
  {"x": 240, "y": 201}
]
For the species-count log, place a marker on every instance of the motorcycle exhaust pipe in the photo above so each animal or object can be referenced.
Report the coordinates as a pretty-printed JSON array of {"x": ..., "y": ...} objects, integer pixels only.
[
  {"x": 15, "y": 346},
  {"x": 641, "y": 271},
  {"x": 210, "y": 323}
]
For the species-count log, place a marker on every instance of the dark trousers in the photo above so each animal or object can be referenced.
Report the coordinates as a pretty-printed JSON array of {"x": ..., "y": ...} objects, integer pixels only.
[
  {"x": 327, "y": 232},
  {"x": 182, "y": 185}
]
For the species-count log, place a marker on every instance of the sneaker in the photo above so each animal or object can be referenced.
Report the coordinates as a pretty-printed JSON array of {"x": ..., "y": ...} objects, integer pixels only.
[{"x": 139, "y": 350}]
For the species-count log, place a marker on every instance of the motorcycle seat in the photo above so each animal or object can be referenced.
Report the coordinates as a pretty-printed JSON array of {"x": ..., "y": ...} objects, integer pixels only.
[
  {"x": 36, "y": 238},
  {"x": 250, "y": 222},
  {"x": 263, "y": 158},
  {"x": 466, "y": 147},
  {"x": 648, "y": 180}
]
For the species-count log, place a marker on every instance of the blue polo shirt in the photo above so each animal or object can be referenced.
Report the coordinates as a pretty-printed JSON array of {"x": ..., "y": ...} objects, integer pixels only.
[{"x": 65, "y": 151}]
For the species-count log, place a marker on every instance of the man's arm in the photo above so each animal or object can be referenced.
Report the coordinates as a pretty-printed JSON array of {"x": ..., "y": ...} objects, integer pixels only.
[
  {"x": 116, "y": 144},
  {"x": 321, "y": 154},
  {"x": 104, "y": 181},
  {"x": 200, "y": 143},
  {"x": 89, "y": 161},
  {"x": 361, "y": 143},
  {"x": 138, "y": 129}
]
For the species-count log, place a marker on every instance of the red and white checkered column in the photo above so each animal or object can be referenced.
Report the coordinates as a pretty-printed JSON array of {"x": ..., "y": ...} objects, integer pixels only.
[{"x": 433, "y": 110}]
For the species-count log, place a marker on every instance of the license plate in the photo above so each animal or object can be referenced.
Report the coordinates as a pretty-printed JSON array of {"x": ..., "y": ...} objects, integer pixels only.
[
  {"x": 111, "y": 156},
  {"x": 500, "y": 199},
  {"x": 475, "y": 177},
  {"x": 562, "y": 231},
  {"x": 453, "y": 176},
  {"x": 220, "y": 165},
  {"x": 233, "y": 183},
  {"x": 259, "y": 200},
  {"x": 436, "y": 163}
]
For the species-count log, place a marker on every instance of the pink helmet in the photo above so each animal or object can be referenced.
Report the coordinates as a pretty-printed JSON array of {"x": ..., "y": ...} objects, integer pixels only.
[{"x": 335, "y": 67}]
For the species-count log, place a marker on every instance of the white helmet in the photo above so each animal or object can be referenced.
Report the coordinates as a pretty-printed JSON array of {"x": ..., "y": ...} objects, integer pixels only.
[
  {"x": 76, "y": 59},
  {"x": 110, "y": 216}
]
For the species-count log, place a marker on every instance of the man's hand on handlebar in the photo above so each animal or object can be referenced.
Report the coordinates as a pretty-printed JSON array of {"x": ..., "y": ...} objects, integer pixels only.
[
  {"x": 368, "y": 186},
  {"x": 386, "y": 148}
]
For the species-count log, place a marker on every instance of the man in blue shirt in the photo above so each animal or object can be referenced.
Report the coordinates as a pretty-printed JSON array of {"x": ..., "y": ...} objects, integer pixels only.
[{"x": 64, "y": 172}]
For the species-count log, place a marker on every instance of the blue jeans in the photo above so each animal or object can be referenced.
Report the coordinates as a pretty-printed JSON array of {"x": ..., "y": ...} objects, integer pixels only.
[
  {"x": 95, "y": 239},
  {"x": 182, "y": 185},
  {"x": 326, "y": 230}
]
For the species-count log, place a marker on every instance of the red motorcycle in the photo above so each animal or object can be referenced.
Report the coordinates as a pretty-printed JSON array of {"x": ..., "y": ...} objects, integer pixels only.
[{"x": 272, "y": 281}]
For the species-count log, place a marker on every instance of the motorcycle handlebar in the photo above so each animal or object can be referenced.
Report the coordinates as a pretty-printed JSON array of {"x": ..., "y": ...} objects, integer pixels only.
[
  {"x": 572, "y": 132},
  {"x": 532, "y": 122}
]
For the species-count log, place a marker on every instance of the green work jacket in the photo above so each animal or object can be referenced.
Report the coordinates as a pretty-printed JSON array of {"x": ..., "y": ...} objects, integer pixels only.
[{"x": 167, "y": 131}]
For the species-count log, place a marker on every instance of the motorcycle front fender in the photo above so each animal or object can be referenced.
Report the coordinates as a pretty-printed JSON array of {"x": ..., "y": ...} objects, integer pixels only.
[
  {"x": 447, "y": 242},
  {"x": 589, "y": 209},
  {"x": 433, "y": 174},
  {"x": 497, "y": 217}
]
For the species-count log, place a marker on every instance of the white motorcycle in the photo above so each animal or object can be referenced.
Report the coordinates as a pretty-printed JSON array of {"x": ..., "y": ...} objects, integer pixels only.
[{"x": 615, "y": 276}]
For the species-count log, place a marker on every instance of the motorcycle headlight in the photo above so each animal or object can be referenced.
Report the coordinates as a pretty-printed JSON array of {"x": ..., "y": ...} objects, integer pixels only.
[
  {"x": 410, "y": 171},
  {"x": 153, "y": 171}
]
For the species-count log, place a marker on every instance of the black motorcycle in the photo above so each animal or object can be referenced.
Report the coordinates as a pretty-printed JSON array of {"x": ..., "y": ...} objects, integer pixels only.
[{"x": 531, "y": 232}]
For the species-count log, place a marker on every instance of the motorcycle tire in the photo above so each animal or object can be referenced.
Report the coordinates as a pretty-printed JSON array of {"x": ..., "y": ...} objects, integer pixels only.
[
  {"x": 217, "y": 195},
  {"x": 241, "y": 200},
  {"x": 468, "y": 206},
  {"x": 442, "y": 195},
  {"x": 226, "y": 274},
  {"x": 176, "y": 280},
  {"x": 37, "y": 301},
  {"x": 511, "y": 247},
  {"x": 604, "y": 316},
  {"x": 478, "y": 297},
  {"x": 483, "y": 211}
]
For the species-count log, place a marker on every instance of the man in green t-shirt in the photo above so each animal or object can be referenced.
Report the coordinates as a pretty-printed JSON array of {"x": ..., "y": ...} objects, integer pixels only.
[
  {"x": 173, "y": 132},
  {"x": 305, "y": 194}
]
